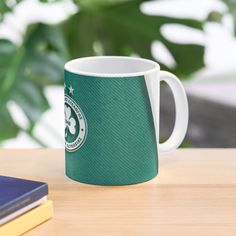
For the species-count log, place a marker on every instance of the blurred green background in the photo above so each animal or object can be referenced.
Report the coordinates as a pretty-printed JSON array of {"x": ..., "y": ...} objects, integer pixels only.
[{"x": 33, "y": 61}]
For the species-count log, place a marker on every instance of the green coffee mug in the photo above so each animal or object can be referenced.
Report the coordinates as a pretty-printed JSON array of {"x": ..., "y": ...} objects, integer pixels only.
[{"x": 112, "y": 119}]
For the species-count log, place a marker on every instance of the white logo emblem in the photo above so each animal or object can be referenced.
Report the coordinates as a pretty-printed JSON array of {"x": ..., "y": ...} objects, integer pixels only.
[{"x": 75, "y": 125}]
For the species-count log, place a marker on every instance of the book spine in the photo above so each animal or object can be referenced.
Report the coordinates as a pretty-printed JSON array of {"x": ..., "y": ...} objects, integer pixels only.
[{"x": 25, "y": 200}]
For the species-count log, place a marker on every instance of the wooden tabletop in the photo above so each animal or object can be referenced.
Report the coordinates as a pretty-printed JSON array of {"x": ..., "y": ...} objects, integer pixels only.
[{"x": 193, "y": 194}]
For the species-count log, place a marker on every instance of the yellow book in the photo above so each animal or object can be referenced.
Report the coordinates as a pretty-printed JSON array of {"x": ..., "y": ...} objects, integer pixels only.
[{"x": 28, "y": 220}]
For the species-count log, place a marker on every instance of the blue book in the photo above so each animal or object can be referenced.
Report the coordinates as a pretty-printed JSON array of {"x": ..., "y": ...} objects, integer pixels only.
[{"x": 16, "y": 194}]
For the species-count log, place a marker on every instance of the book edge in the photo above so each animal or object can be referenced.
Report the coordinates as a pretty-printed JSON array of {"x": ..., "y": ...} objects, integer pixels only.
[
  {"x": 21, "y": 211},
  {"x": 29, "y": 220}
]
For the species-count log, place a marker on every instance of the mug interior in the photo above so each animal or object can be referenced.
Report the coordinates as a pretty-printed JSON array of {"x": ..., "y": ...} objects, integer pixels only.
[{"x": 111, "y": 66}]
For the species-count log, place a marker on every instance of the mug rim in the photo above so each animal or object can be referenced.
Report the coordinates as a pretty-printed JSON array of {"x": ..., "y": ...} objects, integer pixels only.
[{"x": 70, "y": 64}]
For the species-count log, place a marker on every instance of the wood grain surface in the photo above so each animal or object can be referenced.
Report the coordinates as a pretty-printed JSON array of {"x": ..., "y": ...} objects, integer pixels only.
[{"x": 193, "y": 194}]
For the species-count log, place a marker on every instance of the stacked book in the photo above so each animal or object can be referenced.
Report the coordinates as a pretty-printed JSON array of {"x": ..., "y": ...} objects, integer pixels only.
[{"x": 23, "y": 205}]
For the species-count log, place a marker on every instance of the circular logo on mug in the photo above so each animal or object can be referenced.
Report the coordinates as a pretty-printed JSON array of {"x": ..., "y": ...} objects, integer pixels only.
[{"x": 75, "y": 125}]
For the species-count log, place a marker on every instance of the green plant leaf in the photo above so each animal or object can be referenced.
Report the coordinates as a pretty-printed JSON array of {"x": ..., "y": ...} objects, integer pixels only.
[
  {"x": 122, "y": 29},
  {"x": 31, "y": 100},
  {"x": 7, "y": 6},
  {"x": 25, "y": 70},
  {"x": 8, "y": 128},
  {"x": 4, "y": 8}
]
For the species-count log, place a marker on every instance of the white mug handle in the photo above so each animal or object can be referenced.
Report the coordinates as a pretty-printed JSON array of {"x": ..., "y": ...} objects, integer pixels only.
[{"x": 181, "y": 110}]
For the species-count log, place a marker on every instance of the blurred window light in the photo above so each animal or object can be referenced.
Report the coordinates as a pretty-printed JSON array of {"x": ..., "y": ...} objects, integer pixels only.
[
  {"x": 182, "y": 34},
  {"x": 15, "y": 23},
  {"x": 50, "y": 128},
  {"x": 183, "y": 8},
  {"x": 161, "y": 53},
  {"x": 21, "y": 141},
  {"x": 221, "y": 47},
  {"x": 18, "y": 115}
]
